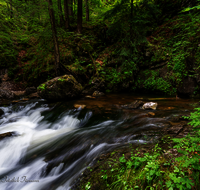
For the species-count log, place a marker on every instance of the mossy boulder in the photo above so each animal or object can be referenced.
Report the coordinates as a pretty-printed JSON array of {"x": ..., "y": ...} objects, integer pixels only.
[{"x": 60, "y": 88}]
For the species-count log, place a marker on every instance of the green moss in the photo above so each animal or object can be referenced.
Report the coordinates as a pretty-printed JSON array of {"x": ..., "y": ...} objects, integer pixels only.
[
  {"x": 41, "y": 87},
  {"x": 61, "y": 79}
]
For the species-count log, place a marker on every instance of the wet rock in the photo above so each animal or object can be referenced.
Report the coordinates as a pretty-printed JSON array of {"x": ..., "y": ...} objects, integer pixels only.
[
  {"x": 8, "y": 134},
  {"x": 19, "y": 94},
  {"x": 30, "y": 90},
  {"x": 79, "y": 106},
  {"x": 33, "y": 95},
  {"x": 174, "y": 118},
  {"x": 59, "y": 88},
  {"x": 134, "y": 105},
  {"x": 25, "y": 99},
  {"x": 150, "y": 105},
  {"x": 89, "y": 97},
  {"x": 178, "y": 117},
  {"x": 175, "y": 130},
  {"x": 187, "y": 87},
  {"x": 97, "y": 93},
  {"x": 1, "y": 112},
  {"x": 6, "y": 94}
]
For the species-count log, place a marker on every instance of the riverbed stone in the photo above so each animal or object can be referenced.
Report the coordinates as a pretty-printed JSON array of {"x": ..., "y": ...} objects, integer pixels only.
[
  {"x": 79, "y": 106},
  {"x": 60, "y": 88},
  {"x": 150, "y": 105}
]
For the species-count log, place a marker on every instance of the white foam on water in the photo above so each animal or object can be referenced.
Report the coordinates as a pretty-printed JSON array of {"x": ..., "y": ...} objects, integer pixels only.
[
  {"x": 32, "y": 133},
  {"x": 28, "y": 134}
]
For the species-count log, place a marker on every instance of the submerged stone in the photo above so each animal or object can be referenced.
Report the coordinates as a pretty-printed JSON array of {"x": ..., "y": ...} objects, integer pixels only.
[
  {"x": 79, "y": 106},
  {"x": 151, "y": 113},
  {"x": 8, "y": 134},
  {"x": 134, "y": 105}
]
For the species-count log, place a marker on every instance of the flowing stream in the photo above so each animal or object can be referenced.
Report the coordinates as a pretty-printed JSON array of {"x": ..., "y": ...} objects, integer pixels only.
[{"x": 52, "y": 143}]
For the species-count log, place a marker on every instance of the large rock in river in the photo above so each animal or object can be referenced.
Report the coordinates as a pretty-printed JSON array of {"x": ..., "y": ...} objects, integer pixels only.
[
  {"x": 63, "y": 87},
  {"x": 150, "y": 105}
]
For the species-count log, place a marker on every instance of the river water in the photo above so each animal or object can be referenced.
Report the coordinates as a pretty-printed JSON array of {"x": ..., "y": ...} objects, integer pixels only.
[{"x": 52, "y": 143}]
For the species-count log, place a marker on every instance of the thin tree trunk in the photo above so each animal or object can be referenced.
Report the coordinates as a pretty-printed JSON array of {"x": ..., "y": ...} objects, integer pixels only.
[
  {"x": 131, "y": 17},
  {"x": 87, "y": 10},
  {"x": 11, "y": 9},
  {"x": 60, "y": 13},
  {"x": 70, "y": 8},
  {"x": 66, "y": 9},
  {"x": 74, "y": 4},
  {"x": 79, "y": 20},
  {"x": 131, "y": 27},
  {"x": 55, "y": 39}
]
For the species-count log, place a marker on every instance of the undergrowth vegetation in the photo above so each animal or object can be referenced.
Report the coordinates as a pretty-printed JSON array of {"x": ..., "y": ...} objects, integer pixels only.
[
  {"x": 177, "y": 43},
  {"x": 121, "y": 42}
]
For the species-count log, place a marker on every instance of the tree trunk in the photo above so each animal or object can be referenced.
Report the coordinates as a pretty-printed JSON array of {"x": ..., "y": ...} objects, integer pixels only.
[
  {"x": 87, "y": 10},
  {"x": 74, "y": 4},
  {"x": 11, "y": 9},
  {"x": 131, "y": 17},
  {"x": 60, "y": 13},
  {"x": 55, "y": 39},
  {"x": 79, "y": 20},
  {"x": 66, "y": 9},
  {"x": 131, "y": 27},
  {"x": 70, "y": 8}
]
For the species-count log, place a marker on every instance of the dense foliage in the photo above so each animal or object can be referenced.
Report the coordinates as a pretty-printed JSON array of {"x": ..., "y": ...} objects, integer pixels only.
[{"x": 120, "y": 43}]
